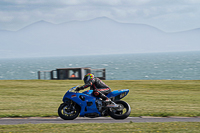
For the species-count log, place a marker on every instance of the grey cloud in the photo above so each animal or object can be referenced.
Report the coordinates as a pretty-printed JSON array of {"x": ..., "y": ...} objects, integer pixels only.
[{"x": 14, "y": 14}]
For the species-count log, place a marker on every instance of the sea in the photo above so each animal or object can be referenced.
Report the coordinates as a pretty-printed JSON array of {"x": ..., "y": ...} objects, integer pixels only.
[{"x": 140, "y": 66}]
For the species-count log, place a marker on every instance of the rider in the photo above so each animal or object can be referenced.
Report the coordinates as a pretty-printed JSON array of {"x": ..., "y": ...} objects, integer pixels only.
[{"x": 100, "y": 89}]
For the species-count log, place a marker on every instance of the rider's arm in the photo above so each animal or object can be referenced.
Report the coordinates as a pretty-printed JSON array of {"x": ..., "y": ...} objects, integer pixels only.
[{"x": 88, "y": 84}]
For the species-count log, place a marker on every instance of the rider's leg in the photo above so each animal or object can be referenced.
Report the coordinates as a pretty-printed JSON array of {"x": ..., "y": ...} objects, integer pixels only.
[
  {"x": 107, "y": 100},
  {"x": 102, "y": 94}
]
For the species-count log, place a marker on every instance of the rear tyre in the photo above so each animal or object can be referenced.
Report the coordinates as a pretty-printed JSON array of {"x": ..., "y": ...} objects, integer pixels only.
[
  {"x": 68, "y": 111},
  {"x": 122, "y": 112}
]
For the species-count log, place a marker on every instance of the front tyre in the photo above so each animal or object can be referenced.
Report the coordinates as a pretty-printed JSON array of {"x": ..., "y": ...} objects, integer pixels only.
[
  {"x": 121, "y": 112},
  {"x": 68, "y": 111}
]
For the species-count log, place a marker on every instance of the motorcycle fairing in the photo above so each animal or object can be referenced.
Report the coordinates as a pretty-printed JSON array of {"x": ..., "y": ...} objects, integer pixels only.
[
  {"x": 88, "y": 92},
  {"x": 85, "y": 101},
  {"x": 120, "y": 93}
]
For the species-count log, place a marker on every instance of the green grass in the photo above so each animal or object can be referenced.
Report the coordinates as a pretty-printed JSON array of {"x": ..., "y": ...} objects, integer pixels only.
[
  {"x": 168, "y": 127},
  {"x": 23, "y": 98}
]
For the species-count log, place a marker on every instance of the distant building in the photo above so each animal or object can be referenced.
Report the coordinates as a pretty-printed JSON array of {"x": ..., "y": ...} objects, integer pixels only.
[{"x": 71, "y": 73}]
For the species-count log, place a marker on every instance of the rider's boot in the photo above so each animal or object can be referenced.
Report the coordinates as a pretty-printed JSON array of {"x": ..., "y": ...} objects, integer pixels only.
[
  {"x": 110, "y": 103},
  {"x": 108, "y": 100}
]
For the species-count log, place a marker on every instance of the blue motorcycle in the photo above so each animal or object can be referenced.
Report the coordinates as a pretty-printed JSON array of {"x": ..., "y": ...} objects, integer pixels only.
[{"x": 85, "y": 104}]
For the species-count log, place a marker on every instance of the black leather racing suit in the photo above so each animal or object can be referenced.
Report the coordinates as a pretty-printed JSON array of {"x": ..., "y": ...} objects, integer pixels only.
[{"x": 100, "y": 89}]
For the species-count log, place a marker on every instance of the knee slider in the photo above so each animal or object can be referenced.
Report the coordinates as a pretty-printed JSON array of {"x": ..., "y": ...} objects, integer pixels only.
[{"x": 96, "y": 93}]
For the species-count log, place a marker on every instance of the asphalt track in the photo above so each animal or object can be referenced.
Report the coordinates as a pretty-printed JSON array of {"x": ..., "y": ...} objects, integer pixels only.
[{"x": 57, "y": 120}]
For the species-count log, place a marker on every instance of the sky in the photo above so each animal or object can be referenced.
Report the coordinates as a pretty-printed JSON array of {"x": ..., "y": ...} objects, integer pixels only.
[{"x": 166, "y": 15}]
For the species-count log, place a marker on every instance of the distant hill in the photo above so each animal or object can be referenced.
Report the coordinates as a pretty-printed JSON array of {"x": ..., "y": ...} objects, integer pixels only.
[{"x": 96, "y": 36}]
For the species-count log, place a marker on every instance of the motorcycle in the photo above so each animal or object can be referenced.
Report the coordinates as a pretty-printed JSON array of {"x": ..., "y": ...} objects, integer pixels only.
[{"x": 85, "y": 104}]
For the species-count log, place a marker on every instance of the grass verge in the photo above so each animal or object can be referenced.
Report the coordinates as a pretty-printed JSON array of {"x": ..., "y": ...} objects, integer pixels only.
[
  {"x": 28, "y": 98},
  {"x": 168, "y": 127}
]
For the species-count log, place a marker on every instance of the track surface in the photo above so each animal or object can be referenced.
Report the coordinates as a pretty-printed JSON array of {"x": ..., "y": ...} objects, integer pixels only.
[{"x": 35, "y": 120}]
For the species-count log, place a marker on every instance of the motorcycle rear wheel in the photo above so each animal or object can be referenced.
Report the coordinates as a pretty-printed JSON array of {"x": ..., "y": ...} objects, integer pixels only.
[
  {"x": 68, "y": 111},
  {"x": 122, "y": 112}
]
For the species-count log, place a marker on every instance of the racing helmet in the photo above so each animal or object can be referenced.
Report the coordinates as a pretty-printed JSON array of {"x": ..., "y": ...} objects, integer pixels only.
[{"x": 88, "y": 77}]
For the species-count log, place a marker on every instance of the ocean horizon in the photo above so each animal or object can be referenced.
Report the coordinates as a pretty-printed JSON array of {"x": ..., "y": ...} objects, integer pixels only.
[{"x": 139, "y": 66}]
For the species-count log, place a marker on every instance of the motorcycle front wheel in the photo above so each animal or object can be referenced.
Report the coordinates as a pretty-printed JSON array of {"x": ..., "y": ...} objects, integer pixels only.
[
  {"x": 68, "y": 111},
  {"x": 121, "y": 112}
]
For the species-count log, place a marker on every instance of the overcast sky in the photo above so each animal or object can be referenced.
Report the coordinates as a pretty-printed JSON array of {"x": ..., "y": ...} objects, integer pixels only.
[{"x": 167, "y": 15}]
